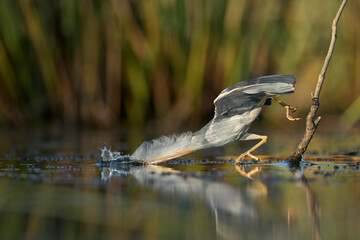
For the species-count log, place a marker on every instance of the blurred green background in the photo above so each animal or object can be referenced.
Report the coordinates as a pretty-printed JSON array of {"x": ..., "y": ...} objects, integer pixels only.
[{"x": 163, "y": 62}]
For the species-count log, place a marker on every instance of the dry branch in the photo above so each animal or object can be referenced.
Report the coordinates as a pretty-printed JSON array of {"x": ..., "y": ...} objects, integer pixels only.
[{"x": 312, "y": 121}]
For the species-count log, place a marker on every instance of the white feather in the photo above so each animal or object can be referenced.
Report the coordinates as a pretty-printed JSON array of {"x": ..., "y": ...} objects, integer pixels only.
[{"x": 164, "y": 146}]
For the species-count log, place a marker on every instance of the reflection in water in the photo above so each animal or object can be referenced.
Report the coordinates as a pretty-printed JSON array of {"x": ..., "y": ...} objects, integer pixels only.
[
  {"x": 207, "y": 200},
  {"x": 313, "y": 208},
  {"x": 50, "y": 189},
  {"x": 258, "y": 185},
  {"x": 237, "y": 211},
  {"x": 228, "y": 204}
]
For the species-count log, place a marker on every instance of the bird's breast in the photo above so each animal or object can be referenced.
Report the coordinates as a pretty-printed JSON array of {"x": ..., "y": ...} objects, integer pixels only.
[{"x": 226, "y": 130}]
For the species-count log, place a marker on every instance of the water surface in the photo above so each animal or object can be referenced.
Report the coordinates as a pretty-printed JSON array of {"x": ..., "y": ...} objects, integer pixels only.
[{"x": 52, "y": 186}]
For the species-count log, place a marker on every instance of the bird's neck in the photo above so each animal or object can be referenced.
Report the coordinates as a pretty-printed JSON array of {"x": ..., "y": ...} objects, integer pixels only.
[{"x": 199, "y": 139}]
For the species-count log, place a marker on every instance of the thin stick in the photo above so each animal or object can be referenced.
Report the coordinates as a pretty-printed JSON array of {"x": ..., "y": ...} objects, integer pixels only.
[{"x": 312, "y": 122}]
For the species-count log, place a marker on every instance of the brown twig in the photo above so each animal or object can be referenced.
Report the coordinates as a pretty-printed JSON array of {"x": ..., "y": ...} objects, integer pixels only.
[{"x": 312, "y": 122}]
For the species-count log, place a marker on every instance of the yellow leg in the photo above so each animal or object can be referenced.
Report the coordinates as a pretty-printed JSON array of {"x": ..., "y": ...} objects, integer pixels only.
[
  {"x": 287, "y": 107},
  {"x": 250, "y": 136}
]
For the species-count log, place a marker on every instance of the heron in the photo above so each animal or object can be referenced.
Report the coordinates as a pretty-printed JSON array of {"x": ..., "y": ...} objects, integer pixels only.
[{"x": 235, "y": 109}]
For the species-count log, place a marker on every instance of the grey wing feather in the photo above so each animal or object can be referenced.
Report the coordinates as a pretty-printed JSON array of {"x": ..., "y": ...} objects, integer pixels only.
[{"x": 244, "y": 95}]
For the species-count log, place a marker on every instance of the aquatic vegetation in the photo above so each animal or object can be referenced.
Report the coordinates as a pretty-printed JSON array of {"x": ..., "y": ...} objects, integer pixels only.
[{"x": 102, "y": 62}]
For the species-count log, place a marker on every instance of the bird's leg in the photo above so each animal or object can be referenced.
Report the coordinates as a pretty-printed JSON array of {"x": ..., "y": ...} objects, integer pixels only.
[
  {"x": 287, "y": 107},
  {"x": 250, "y": 136}
]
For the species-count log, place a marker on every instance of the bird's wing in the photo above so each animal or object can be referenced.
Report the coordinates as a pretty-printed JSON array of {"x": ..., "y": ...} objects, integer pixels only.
[{"x": 245, "y": 95}]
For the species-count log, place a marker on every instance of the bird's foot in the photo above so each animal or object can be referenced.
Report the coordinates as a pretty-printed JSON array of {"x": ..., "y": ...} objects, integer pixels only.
[
  {"x": 242, "y": 157},
  {"x": 292, "y": 109}
]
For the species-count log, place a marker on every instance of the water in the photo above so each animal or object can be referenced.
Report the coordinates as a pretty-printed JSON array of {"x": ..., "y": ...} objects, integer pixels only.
[{"x": 52, "y": 186}]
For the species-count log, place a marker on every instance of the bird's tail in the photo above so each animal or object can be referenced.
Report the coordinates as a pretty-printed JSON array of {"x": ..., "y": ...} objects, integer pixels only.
[{"x": 165, "y": 148}]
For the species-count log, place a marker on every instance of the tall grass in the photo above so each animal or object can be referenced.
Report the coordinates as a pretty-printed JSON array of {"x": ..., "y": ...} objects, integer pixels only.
[{"x": 102, "y": 62}]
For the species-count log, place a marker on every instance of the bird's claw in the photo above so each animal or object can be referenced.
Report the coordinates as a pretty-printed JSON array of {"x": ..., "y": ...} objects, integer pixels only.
[
  {"x": 288, "y": 116},
  {"x": 242, "y": 156},
  {"x": 293, "y": 109}
]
